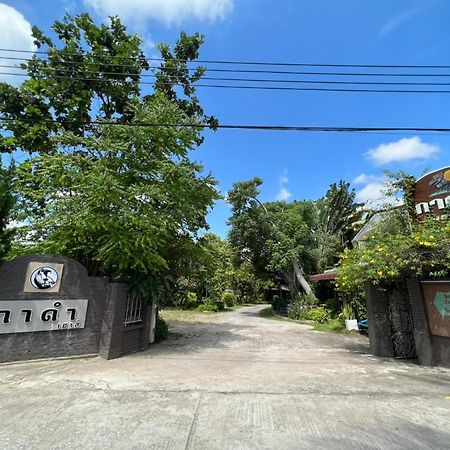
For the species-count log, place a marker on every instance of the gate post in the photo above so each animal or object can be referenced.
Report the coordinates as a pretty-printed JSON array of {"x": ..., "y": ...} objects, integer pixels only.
[
  {"x": 112, "y": 329},
  {"x": 378, "y": 322},
  {"x": 422, "y": 333}
]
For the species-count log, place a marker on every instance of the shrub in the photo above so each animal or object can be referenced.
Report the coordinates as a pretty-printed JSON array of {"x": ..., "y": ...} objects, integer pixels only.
[
  {"x": 319, "y": 315},
  {"x": 302, "y": 303},
  {"x": 211, "y": 305},
  {"x": 228, "y": 299},
  {"x": 161, "y": 329},
  {"x": 415, "y": 250},
  {"x": 191, "y": 300},
  {"x": 333, "y": 308}
]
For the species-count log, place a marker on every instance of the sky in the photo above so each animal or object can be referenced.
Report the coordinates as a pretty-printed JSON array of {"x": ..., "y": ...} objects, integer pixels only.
[{"x": 293, "y": 165}]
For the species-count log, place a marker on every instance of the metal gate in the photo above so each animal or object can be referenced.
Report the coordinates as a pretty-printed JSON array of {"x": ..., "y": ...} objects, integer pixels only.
[{"x": 402, "y": 330}]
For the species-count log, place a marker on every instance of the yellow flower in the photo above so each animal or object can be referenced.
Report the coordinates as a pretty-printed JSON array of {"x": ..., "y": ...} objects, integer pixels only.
[{"x": 380, "y": 273}]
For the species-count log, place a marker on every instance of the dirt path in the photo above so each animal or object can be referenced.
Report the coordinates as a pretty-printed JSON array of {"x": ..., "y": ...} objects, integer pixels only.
[{"x": 234, "y": 381}]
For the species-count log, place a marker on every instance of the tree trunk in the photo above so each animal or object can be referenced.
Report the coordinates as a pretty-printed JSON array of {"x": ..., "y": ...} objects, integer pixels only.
[
  {"x": 289, "y": 278},
  {"x": 300, "y": 278}
]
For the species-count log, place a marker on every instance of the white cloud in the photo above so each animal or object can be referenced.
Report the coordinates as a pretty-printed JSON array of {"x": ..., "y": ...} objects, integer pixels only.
[
  {"x": 403, "y": 150},
  {"x": 397, "y": 21},
  {"x": 284, "y": 179},
  {"x": 15, "y": 34},
  {"x": 284, "y": 194},
  {"x": 168, "y": 11},
  {"x": 373, "y": 194},
  {"x": 365, "y": 179}
]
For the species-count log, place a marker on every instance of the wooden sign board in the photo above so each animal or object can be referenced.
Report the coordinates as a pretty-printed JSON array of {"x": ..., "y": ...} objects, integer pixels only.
[
  {"x": 432, "y": 193},
  {"x": 437, "y": 301}
]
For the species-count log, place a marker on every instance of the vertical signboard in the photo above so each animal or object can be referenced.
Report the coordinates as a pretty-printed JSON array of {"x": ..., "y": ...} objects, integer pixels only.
[{"x": 437, "y": 301}]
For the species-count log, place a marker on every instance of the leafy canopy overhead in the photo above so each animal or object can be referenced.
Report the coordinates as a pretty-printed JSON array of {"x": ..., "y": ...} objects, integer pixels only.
[{"x": 99, "y": 185}]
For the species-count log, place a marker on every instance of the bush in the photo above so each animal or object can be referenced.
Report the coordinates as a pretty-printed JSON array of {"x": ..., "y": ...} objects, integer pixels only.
[
  {"x": 191, "y": 300},
  {"x": 211, "y": 305},
  {"x": 300, "y": 305},
  {"x": 333, "y": 308},
  {"x": 319, "y": 315},
  {"x": 161, "y": 329},
  {"x": 279, "y": 305},
  {"x": 228, "y": 299}
]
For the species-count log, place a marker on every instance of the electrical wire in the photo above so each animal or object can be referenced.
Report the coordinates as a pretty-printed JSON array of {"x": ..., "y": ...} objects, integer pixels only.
[
  {"x": 274, "y": 72},
  {"x": 330, "y": 129},
  {"x": 253, "y": 87},
  {"x": 255, "y": 80},
  {"x": 258, "y": 63}
]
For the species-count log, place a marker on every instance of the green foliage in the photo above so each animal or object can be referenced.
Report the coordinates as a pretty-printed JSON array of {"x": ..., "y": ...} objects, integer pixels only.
[
  {"x": 333, "y": 308},
  {"x": 348, "y": 312},
  {"x": 319, "y": 315},
  {"x": 300, "y": 305},
  {"x": 274, "y": 237},
  {"x": 192, "y": 300},
  {"x": 338, "y": 217},
  {"x": 7, "y": 202},
  {"x": 123, "y": 199},
  {"x": 84, "y": 68},
  {"x": 280, "y": 305},
  {"x": 396, "y": 250},
  {"x": 211, "y": 305},
  {"x": 385, "y": 258},
  {"x": 228, "y": 299},
  {"x": 161, "y": 329},
  {"x": 330, "y": 326}
]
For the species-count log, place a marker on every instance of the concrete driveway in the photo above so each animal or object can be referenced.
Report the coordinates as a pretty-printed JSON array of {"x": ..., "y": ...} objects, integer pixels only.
[{"x": 237, "y": 381}]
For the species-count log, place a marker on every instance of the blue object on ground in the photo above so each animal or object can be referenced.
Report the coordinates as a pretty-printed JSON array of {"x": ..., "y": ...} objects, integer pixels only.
[{"x": 363, "y": 324}]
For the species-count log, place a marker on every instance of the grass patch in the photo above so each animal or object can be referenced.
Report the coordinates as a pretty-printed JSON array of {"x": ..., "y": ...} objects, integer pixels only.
[
  {"x": 332, "y": 326},
  {"x": 267, "y": 313}
]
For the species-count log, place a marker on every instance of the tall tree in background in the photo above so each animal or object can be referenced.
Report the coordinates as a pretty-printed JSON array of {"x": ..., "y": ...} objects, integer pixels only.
[
  {"x": 338, "y": 216},
  {"x": 276, "y": 237}
]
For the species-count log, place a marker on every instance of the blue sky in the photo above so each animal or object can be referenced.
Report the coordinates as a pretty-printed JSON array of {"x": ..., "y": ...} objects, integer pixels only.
[{"x": 293, "y": 165}]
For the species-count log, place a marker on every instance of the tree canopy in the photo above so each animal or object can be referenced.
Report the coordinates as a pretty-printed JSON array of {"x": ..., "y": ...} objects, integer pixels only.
[{"x": 108, "y": 179}]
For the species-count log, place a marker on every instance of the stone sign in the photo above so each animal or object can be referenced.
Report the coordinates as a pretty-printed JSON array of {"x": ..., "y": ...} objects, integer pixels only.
[
  {"x": 432, "y": 193},
  {"x": 23, "y": 316},
  {"x": 50, "y": 307},
  {"x": 437, "y": 301}
]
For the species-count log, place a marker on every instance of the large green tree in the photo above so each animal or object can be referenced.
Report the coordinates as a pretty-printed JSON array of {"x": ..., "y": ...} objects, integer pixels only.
[
  {"x": 338, "y": 218},
  {"x": 102, "y": 183},
  {"x": 276, "y": 236}
]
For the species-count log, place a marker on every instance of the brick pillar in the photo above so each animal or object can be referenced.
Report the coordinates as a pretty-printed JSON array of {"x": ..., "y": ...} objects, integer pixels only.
[
  {"x": 113, "y": 327},
  {"x": 422, "y": 334},
  {"x": 145, "y": 332},
  {"x": 378, "y": 321}
]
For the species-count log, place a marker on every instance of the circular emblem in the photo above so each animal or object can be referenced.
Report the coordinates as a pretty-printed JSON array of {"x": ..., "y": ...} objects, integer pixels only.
[{"x": 44, "y": 278}]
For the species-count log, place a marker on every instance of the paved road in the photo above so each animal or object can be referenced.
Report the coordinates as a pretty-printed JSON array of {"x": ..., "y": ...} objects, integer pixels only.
[{"x": 236, "y": 382}]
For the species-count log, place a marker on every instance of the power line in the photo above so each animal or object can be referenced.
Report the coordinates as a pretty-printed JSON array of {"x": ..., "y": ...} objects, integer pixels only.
[
  {"x": 258, "y": 63},
  {"x": 275, "y": 72},
  {"x": 255, "y": 80},
  {"x": 253, "y": 87},
  {"x": 321, "y": 129}
]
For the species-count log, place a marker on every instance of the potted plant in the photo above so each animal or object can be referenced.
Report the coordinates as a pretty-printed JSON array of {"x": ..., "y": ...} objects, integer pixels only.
[{"x": 349, "y": 317}]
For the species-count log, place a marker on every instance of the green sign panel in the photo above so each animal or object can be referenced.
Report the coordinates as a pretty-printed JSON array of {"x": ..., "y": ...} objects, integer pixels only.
[{"x": 442, "y": 303}]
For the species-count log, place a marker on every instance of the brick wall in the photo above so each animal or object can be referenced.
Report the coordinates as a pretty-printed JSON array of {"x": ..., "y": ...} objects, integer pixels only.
[{"x": 104, "y": 332}]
